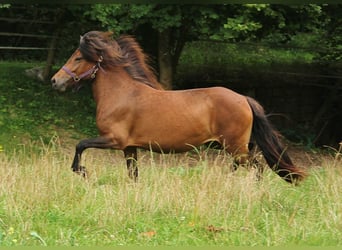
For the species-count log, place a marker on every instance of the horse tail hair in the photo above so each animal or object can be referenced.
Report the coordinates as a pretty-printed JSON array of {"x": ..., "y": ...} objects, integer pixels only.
[{"x": 267, "y": 138}]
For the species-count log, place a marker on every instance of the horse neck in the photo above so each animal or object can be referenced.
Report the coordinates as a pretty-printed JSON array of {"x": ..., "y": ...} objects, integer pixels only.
[{"x": 114, "y": 84}]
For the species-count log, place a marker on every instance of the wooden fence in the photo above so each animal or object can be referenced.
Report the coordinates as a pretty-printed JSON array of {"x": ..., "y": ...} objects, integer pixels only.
[{"x": 50, "y": 39}]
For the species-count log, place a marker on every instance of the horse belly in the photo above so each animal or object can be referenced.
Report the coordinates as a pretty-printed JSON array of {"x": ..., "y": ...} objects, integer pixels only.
[
  {"x": 177, "y": 134},
  {"x": 166, "y": 146}
]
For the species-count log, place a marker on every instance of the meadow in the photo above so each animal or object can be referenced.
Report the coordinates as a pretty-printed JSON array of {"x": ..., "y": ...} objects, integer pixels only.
[{"x": 190, "y": 199}]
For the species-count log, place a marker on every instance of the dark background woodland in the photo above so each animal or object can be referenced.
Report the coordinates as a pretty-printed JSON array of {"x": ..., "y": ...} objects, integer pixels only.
[{"x": 288, "y": 57}]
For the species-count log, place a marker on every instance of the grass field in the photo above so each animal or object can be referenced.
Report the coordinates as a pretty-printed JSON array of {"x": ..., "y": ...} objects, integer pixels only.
[{"x": 180, "y": 200}]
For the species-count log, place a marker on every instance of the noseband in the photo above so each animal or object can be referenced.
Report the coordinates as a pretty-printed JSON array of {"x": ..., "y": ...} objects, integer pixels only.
[{"x": 91, "y": 72}]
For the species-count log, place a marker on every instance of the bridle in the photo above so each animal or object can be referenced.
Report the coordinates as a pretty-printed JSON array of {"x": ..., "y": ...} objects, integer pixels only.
[{"x": 91, "y": 72}]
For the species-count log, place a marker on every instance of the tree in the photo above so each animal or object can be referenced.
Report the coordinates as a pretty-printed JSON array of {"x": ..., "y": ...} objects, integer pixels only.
[
  {"x": 174, "y": 24},
  {"x": 171, "y": 26},
  {"x": 330, "y": 30},
  {"x": 177, "y": 24}
]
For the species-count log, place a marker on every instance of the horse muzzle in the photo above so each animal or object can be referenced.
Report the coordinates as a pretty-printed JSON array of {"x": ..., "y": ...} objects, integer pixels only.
[{"x": 58, "y": 84}]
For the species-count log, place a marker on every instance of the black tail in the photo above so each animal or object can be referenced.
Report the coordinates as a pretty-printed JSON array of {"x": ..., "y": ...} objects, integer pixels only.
[{"x": 268, "y": 141}]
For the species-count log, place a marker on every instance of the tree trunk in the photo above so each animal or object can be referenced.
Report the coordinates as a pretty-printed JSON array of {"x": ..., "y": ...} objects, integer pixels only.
[
  {"x": 52, "y": 46},
  {"x": 165, "y": 59},
  {"x": 50, "y": 58}
]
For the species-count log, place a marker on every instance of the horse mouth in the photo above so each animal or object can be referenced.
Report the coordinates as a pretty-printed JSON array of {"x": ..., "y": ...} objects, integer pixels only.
[{"x": 60, "y": 87}]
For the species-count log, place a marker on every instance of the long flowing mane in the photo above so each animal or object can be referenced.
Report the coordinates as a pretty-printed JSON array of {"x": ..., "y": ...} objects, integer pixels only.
[
  {"x": 138, "y": 62},
  {"x": 124, "y": 52}
]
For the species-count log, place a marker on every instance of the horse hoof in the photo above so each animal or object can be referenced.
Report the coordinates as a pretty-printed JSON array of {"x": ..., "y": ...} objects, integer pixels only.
[{"x": 82, "y": 171}]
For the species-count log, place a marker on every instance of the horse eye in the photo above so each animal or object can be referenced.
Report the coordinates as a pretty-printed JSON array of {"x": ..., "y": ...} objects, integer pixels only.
[{"x": 78, "y": 59}]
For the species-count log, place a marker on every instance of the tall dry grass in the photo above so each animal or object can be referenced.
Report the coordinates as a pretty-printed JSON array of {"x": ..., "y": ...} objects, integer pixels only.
[{"x": 187, "y": 199}]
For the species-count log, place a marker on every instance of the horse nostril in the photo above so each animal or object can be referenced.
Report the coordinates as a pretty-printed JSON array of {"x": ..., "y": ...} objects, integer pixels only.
[{"x": 54, "y": 83}]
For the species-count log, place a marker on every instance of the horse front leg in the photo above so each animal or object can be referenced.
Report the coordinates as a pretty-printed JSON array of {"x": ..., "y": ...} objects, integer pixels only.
[
  {"x": 98, "y": 142},
  {"x": 131, "y": 161}
]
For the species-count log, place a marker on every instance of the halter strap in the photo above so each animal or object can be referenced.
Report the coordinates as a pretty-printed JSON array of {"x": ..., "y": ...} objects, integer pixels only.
[{"x": 91, "y": 72}]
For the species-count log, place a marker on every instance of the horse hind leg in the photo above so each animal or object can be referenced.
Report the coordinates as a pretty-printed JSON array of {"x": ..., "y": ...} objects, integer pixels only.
[
  {"x": 239, "y": 153},
  {"x": 247, "y": 157},
  {"x": 252, "y": 161},
  {"x": 254, "y": 158},
  {"x": 131, "y": 157},
  {"x": 240, "y": 156}
]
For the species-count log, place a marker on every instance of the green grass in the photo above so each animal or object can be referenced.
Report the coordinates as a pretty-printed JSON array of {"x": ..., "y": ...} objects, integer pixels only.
[
  {"x": 31, "y": 110},
  {"x": 243, "y": 56},
  {"x": 180, "y": 200},
  {"x": 210, "y": 61}
]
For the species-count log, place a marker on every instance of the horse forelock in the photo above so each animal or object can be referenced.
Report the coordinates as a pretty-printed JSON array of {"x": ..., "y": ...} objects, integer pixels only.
[
  {"x": 124, "y": 51},
  {"x": 96, "y": 44}
]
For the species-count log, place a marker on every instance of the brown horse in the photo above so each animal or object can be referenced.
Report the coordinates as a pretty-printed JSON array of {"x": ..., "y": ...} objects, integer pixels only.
[{"x": 133, "y": 111}]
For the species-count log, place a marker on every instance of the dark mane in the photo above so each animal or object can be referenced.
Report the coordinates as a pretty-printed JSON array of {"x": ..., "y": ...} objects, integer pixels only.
[
  {"x": 138, "y": 62},
  {"x": 124, "y": 52}
]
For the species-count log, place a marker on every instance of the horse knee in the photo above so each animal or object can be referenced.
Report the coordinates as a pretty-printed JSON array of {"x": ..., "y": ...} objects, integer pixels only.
[{"x": 80, "y": 147}]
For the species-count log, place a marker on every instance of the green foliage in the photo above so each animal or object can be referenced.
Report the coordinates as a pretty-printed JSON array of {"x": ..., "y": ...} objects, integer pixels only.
[
  {"x": 234, "y": 22},
  {"x": 225, "y": 21},
  {"x": 331, "y": 36},
  {"x": 128, "y": 17},
  {"x": 270, "y": 23},
  {"x": 239, "y": 26},
  {"x": 224, "y": 60}
]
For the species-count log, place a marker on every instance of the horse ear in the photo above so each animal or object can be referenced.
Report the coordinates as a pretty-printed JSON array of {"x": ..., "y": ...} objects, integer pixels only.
[{"x": 81, "y": 38}]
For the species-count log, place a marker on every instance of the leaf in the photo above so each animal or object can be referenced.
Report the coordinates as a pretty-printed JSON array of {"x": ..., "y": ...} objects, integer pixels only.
[
  {"x": 214, "y": 229},
  {"x": 148, "y": 234}
]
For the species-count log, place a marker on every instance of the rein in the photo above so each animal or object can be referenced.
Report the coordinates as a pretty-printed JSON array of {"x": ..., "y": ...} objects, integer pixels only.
[{"x": 91, "y": 72}]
